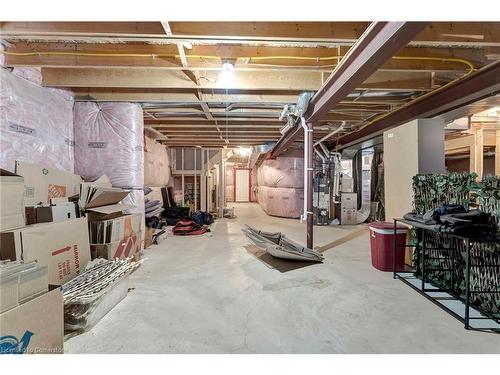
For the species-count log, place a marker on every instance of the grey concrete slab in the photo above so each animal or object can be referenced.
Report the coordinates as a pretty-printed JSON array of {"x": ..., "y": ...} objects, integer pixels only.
[{"x": 209, "y": 294}]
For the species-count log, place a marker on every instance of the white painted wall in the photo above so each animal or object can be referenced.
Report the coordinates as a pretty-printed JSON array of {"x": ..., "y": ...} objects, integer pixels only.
[{"x": 409, "y": 149}]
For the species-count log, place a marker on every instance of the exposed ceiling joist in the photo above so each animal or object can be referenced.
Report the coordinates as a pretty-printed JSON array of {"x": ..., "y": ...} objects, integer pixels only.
[
  {"x": 243, "y": 80},
  {"x": 158, "y": 95},
  {"x": 210, "y": 57},
  {"x": 277, "y": 33}
]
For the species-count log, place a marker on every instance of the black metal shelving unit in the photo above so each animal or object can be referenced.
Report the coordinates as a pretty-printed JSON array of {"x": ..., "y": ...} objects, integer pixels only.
[{"x": 445, "y": 298}]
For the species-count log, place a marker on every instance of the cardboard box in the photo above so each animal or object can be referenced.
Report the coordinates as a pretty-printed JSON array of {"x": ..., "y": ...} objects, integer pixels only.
[
  {"x": 36, "y": 326},
  {"x": 51, "y": 213},
  {"x": 42, "y": 184},
  {"x": 110, "y": 230},
  {"x": 11, "y": 200},
  {"x": 130, "y": 246},
  {"x": 100, "y": 193},
  {"x": 63, "y": 247},
  {"x": 148, "y": 237}
]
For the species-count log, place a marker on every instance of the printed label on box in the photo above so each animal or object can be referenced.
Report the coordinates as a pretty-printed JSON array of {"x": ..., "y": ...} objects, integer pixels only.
[
  {"x": 21, "y": 129},
  {"x": 97, "y": 145},
  {"x": 64, "y": 267}
]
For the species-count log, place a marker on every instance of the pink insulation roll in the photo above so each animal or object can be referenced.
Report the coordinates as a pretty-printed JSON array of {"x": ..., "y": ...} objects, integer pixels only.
[
  {"x": 156, "y": 163},
  {"x": 285, "y": 172},
  {"x": 36, "y": 124},
  {"x": 109, "y": 140},
  {"x": 253, "y": 185},
  {"x": 283, "y": 202},
  {"x": 280, "y": 189}
]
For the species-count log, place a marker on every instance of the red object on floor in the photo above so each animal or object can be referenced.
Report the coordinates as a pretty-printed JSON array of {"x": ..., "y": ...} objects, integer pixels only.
[{"x": 382, "y": 245}]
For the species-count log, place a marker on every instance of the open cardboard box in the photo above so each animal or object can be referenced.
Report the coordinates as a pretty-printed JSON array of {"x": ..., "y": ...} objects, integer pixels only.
[
  {"x": 11, "y": 200},
  {"x": 130, "y": 246},
  {"x": 55, "y": 212},
  {"x": 42, "y": 184},
  {"x": 113, "y": 234},
  {"x": 36, "y": 326},
  {"x": 63, "y": 247}
]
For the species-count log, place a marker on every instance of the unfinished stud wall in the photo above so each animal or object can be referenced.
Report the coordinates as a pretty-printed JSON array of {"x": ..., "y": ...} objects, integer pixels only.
[{"x": 36, "y": 123}]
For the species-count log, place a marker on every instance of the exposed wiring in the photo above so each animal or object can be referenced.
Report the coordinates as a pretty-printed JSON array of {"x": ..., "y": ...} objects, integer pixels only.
[
  {"x": 211, "y": 57},
  {"x": 469, "y": 65},
  {"x": 418, "y": 98}
]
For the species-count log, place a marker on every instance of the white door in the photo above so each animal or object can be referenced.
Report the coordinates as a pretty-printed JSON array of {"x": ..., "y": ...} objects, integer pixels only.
[{"x": 242, "y": 185}]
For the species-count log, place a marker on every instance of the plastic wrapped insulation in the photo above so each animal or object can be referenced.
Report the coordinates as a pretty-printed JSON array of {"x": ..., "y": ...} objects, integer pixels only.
[
  {"x": 109, "y": 140},
  {"x": 156, "y": 163},
  {"x": 280, "y": 189},
  {"x": 254, "y": 185},
  {"x": 36, "y": 123},
  {"x": 285, "y": 172},
  {"x": 282, "y": 202}
]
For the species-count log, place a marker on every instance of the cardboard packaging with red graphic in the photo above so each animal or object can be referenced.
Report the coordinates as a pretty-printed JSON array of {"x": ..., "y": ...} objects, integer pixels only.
[
  {"x": 42, "y": 184},
  {"x": 36, "y": 326},
  {"x": 62, "y": 246},
  {"x": 109, "y": 229},
  {"x": 127, "y": 247}
]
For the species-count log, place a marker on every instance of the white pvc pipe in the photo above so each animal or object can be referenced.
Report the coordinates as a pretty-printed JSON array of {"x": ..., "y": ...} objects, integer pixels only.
[
  {"x": 306, "y": 157},
  {"x": 330, "y": 134}
]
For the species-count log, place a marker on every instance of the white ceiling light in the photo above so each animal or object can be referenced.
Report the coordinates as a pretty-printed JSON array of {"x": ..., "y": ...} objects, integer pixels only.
[{"x": 228, "y": 67}]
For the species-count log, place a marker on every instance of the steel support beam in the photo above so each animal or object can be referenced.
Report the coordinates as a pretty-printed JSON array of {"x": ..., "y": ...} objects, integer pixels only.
[
  {"x": 379, "y": 43},
  {"x": 481, "y": 84},
  {"x": 310, "y": 176}
]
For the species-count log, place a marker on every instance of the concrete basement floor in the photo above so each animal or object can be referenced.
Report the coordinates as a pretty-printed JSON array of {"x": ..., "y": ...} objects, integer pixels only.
[{"x": 209, "y": 294}]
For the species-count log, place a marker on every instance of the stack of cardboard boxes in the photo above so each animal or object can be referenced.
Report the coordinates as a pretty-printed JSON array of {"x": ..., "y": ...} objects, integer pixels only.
[
  {"x": 45, "y": 217},
  {"x": 113, "y": 234},
  {"x": 43, "y": 256}
]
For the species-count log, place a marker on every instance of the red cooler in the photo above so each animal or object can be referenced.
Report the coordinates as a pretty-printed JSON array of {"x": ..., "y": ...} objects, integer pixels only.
[{"x": 382, "y": 245}]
